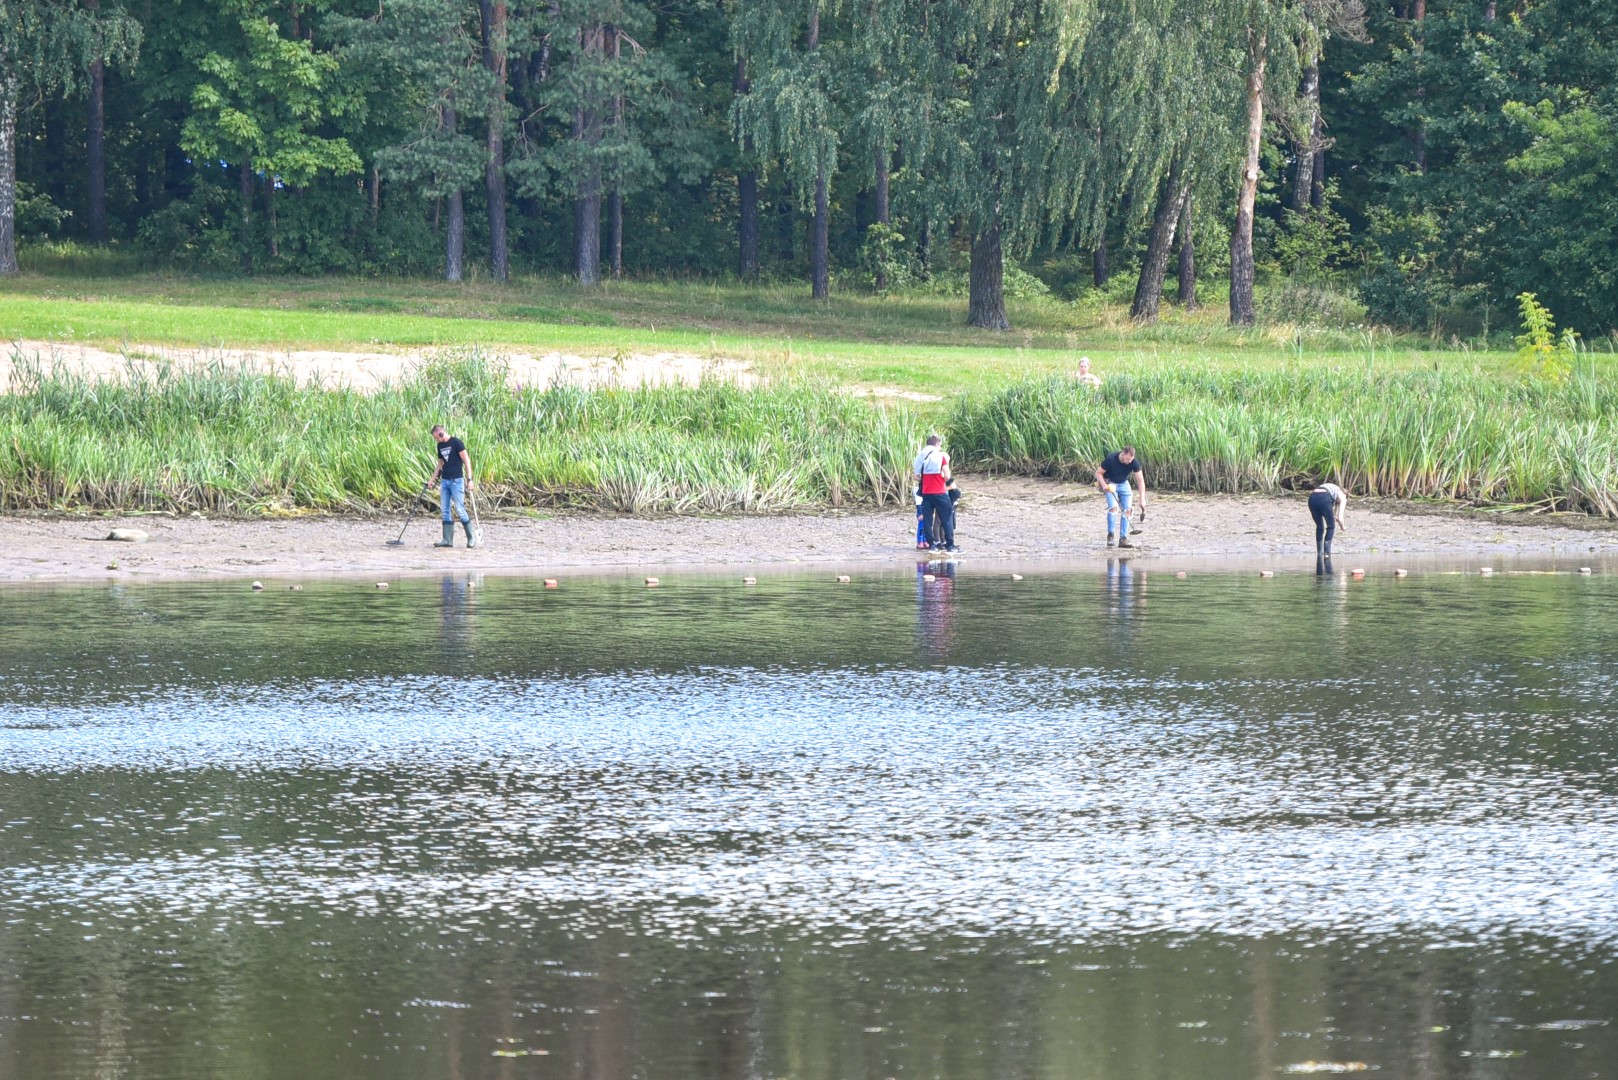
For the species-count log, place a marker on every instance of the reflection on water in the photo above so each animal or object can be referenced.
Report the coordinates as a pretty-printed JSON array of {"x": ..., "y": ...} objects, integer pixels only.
[{"x": 1108, "y": 826}]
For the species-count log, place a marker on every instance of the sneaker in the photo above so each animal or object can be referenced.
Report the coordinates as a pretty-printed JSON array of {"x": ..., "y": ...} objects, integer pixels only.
[
  {"x": 953, "y": 550},
  {"x": 923, "y": 546},
  {"x": 1123, "y": 541}
]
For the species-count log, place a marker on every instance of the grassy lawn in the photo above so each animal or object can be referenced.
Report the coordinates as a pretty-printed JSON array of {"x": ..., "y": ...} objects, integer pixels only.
[{"x": 916, "y": 343}]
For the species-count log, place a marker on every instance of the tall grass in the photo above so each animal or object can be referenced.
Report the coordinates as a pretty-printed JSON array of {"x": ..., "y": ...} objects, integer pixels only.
[
  {"x": 226, "y": 440},
  {"x": 1467, "y": 436}
]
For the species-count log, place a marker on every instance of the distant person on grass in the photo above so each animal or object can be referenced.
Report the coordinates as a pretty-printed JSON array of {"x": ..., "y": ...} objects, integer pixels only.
[
  {"x": 1113, "y": 478},
  {"x": 1326, "y": 505},
  {"x": 1085, "y": 376},
  {"x": 454, "y": 476},
  {"x": 932, "y": 471}
]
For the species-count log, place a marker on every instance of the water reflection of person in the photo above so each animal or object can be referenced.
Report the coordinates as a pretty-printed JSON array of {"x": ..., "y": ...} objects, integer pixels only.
[
  {"x": 456, "y": 597},
  {"x": 935, "y": 607},
  {"x": 1120, "y": 587}
]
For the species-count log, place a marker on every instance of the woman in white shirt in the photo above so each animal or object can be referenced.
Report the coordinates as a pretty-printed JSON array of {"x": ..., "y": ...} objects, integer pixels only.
[{"x": 1326, "y": 505}]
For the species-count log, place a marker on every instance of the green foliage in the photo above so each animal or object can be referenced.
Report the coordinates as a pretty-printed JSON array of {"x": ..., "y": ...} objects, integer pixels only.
[
  {"x": 252, "y": 442},
  {"x": 887, "y": 259},
  {"x": 1441, "y": 434},
  {"x": 1540, "y": 353},
  {"x": 266, "y": 103},
  {"x": 1312, "y": 245},
  {"x": 37, "y": 215}
]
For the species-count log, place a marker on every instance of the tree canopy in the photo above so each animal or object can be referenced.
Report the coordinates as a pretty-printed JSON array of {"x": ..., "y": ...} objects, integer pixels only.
[{"x": 1431, "y": 158}]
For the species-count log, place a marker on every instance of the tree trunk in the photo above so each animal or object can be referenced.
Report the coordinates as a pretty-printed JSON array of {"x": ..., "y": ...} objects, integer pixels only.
[
  {"x": 495, "y": 60},
  {"x": 615, "y": 229},
  {"x": 270, "y": 217},
  {"x": 924, "y": 247},
  {"x": 1242, "y": 311},
  {"x": 1188, "y": 259},
  {"x": 1418, "y": 15},
  {"x": 95, "y": 144},
  {"x": 820, "y": 247},
  {"x": 1170, "y": 208},
  {"x": 1100, "y": 272},
  {"x": 1303, "y": 180},
  {"x": 244, "y": 185},
  {"x": 8, "y": 165},
  {"x": 455, "y": 230},
  {"x": 587, "y": 226},
  {"x": 786, "y": 224},
  {"x": 587, "y": 202},
  {"x": 820, "y": 254},
  {"x": 615, "y": 202},
  {"x": 882, "y": 212},
  {"x": 986, "y": 290},
  {"x": 746, "y": 195}
]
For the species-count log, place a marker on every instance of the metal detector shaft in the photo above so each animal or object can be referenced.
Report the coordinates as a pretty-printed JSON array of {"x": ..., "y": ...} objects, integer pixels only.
[{"x": 414, "y": 504}]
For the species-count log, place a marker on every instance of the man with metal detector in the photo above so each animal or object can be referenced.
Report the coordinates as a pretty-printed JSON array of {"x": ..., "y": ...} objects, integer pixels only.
[
  {"x": 1113, "y": 478},
  {"x": 454, "y": 476}
]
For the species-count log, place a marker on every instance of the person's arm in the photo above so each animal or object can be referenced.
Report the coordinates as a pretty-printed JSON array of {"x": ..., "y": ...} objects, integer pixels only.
[
  {"x": 1140, "y": 485},
  {"x": 943, "y": 468},
  {"x": 1101, "y": 480},
  {"x": 1338, "y": 506},
  {"x": 466, "y": 466}
]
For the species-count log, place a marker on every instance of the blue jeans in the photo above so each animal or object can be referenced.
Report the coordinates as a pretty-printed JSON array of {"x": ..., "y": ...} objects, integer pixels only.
[
  {"x": 1118, "y": 500},
  {"x": 452, "y": 493}
]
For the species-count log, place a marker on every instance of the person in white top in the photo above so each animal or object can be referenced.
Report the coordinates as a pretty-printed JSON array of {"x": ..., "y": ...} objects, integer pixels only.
[
  {"x": 1085, "y": 376},
  {"x": 1326, "y": 505}
]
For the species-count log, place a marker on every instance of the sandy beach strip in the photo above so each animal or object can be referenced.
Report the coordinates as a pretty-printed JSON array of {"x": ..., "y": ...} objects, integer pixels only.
[{"x": 1002, "y": 520}]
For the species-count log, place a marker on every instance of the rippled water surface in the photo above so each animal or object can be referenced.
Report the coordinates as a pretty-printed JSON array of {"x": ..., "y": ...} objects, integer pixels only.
[{"x": 1088, "y": 826}]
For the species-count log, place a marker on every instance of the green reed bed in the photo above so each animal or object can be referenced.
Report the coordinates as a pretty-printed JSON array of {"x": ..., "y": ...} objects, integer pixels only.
[
  {"x": 1485, "y": 439},
  {"x": 252, "y": 442}
]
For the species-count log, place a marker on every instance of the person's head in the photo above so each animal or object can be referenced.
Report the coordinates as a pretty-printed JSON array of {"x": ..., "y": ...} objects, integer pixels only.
[
  {"x": 439, "y": 434},
  {"x": 934, "y": 440},
  {"x": 1084, "y": 365},
  {"x": 1126, "y": 455}
]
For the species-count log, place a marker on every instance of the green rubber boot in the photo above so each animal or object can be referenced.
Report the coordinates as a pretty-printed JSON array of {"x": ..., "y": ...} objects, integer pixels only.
[
  {"x": 471, "y": 537},
  {"x": 449, "y": 535}
]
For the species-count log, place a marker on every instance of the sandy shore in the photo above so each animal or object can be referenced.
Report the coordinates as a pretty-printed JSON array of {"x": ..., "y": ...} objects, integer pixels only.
[
  {"x": 369, "y": 371},
  {"x": 1002, "y": 521}
]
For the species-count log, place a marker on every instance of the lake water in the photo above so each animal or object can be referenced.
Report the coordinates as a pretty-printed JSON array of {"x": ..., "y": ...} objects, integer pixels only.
[{"x": 1083, "y": 826}]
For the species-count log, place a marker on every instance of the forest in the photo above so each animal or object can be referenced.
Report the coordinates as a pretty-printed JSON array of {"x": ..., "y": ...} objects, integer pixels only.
[{"x": 1418, "y": 164}]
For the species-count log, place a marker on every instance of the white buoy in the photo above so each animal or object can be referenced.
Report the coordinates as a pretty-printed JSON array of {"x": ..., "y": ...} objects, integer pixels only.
[
  {"x": 1401, "y": 573},
  {"x": 1266, "y": 573},
  {"x": 928, "y": 577},
  {"x": 1584, "y": 570},
  {"x": 749, "y": 581},
  {"x": 551, "y": 583},
  {"x": 295, "y": 588},
  {"x": 258, "y": 586},
  {"x": 381, "y": 584},
  {"x": 1356, "y": 574},
  {"x": 1485, "y": 570},
  {"x": 651, "y": 583},
  {"x": 1180, "y": 574},
  {"x": 843, "y": 579},
  {"x": 1016, "y": 577}
]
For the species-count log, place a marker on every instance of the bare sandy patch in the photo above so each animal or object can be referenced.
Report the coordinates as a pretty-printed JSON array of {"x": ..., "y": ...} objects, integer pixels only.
[
  {"x": 1003, "y": 522},
  {"x": 367, "y": 371}
]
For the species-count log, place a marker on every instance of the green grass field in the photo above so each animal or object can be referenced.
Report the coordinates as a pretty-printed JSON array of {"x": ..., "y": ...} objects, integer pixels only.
[{"x": 915, "y": 343}]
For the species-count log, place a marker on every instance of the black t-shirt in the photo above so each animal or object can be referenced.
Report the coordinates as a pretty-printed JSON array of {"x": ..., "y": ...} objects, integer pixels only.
[
  {"x": 449, "y": 453},
  {"x": 1116, "y": 471}
]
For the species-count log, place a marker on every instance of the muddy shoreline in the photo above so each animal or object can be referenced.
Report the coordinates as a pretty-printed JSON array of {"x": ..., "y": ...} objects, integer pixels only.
[{"x": 1006, "y": 521}]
